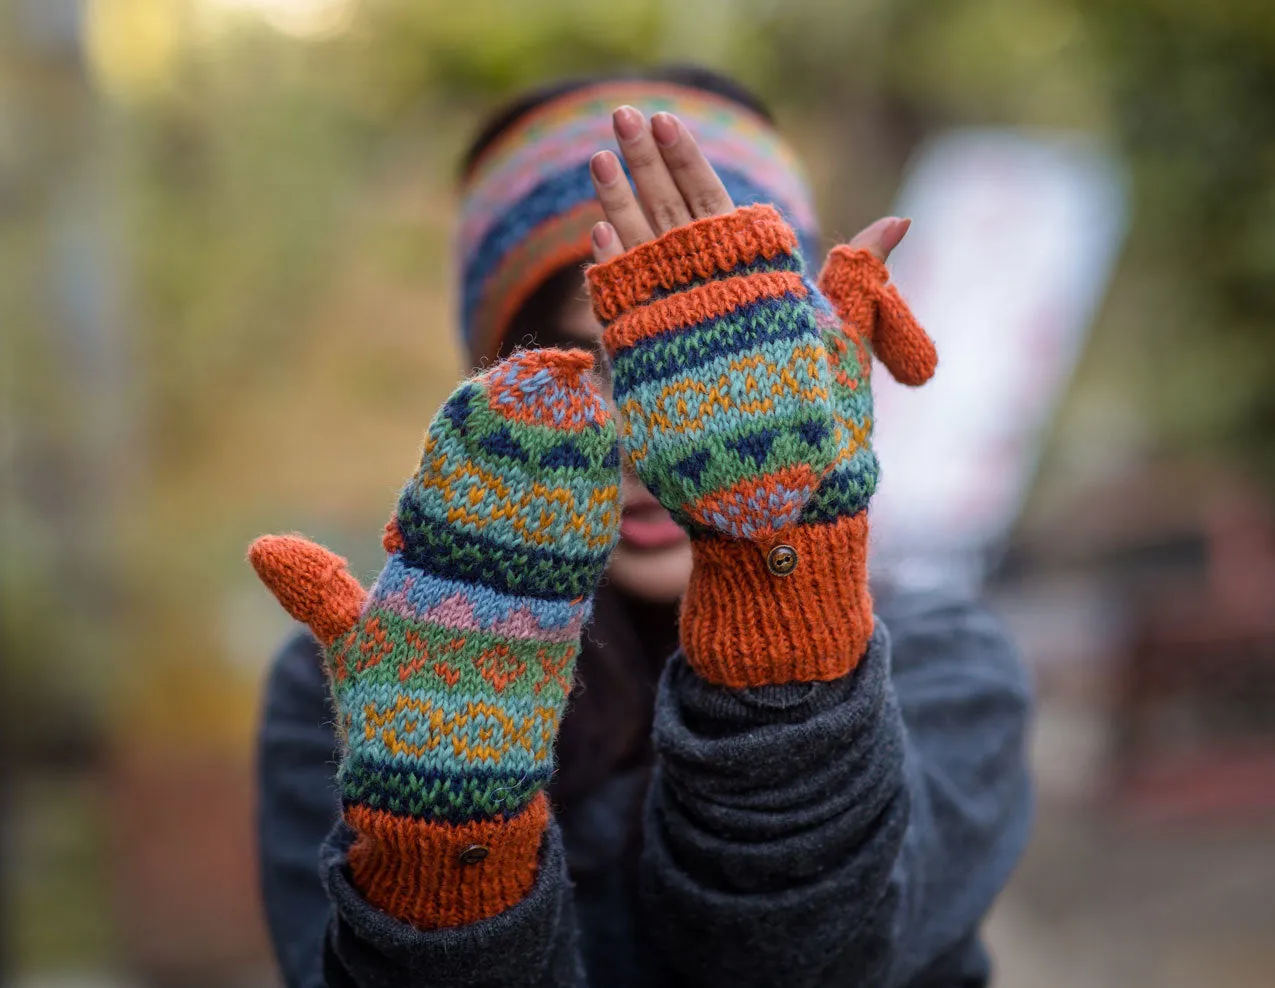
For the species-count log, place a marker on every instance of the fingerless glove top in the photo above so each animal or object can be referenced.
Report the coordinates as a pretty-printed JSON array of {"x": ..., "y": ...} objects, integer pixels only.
[{"x": 745, "y": 394}]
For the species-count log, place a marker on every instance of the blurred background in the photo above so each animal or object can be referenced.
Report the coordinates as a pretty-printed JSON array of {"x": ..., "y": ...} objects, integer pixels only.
[{"x": 226, "y": 308}]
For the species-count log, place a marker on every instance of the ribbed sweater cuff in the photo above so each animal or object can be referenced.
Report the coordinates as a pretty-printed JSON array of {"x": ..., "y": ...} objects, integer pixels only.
[
  {"x": 435, "y": 875},
  {"x": 743, "y": 625},
  {"x": 688, "y": 255}
]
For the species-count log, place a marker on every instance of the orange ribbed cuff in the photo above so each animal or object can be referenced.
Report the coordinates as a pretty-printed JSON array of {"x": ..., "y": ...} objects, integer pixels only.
[
  {"x": 744, "y": 626},
  {"x": 694, "y": 252},
  {"x": 432, "y": 875}
]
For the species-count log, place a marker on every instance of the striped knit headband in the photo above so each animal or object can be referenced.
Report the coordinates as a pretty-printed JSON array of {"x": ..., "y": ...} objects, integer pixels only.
[{"x": 527, "y": 207}]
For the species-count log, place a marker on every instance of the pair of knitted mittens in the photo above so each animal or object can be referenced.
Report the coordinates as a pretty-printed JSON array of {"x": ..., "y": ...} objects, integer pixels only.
[
  {"x": 449, "y": 677},
  {"x": 747, "y": 407},
  {"x": 744, "y": 390}
]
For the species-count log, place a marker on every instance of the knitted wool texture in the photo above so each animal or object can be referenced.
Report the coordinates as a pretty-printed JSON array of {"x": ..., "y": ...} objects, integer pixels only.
[
  {"x": 528, "y": 204},
  {"x": 861, "y": 315},
  {"x": 720, "y": 373},
  {"x": 450, "y": 676},
  {"x": 746, "y": 396}
]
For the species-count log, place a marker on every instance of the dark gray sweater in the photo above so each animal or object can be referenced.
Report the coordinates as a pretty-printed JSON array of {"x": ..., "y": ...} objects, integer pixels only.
[{"x": 851, "y": 833}]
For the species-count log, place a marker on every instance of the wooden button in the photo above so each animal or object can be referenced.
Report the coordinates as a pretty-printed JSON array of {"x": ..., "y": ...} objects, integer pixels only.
[
  {"x": 781, "y": 560},
  {"x": 473, "y": 854}
]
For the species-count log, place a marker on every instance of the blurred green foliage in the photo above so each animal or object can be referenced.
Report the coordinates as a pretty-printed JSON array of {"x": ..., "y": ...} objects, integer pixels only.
[
  {"x": 211, "y": 222},
  {"x": 1191, "y": 89},
  {"x": 203, "y": 211}
]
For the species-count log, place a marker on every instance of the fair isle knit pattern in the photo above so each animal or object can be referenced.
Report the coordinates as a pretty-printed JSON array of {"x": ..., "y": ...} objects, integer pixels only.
[
  {"x": 850, "y": 484},
  {"x": 451, "y": 685},
  {"x": 860, "y": 315},
  {"x": 449, "y": 678},
  {"x": 720, "y": 372},
  {"x": 745, "y": 392},
  {"x": 509, "y": 492},
  {"x": 528, "y": 204}
]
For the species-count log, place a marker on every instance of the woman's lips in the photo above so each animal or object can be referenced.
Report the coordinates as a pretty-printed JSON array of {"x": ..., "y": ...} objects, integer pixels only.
[{"x": 644, "y": 524}]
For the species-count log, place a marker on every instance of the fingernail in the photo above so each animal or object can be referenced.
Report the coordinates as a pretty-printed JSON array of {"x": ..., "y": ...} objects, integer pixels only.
[
  {"x": 602, "y": 235},
  {"x": 628, "y": 123},
  {"x": 604, "y": 167},
  {"x": 664, "y": 127}
]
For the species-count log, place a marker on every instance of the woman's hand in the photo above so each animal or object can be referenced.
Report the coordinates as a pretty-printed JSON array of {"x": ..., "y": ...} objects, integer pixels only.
[
  {"x": 675, "y": 184},
  {"x": 744, "y": 386}
]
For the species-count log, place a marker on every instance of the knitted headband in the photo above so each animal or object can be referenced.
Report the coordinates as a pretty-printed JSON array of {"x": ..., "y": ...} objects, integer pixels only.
[{"x": 527, "y": 207}]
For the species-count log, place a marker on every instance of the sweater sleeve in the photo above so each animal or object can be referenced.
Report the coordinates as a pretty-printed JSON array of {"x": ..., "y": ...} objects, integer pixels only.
[
  {"x": 297, "y": 804},
  {"x": 323, "y": 931},
  {"x": 531, "y": 945},
  {"x": 851, "y": 831}
]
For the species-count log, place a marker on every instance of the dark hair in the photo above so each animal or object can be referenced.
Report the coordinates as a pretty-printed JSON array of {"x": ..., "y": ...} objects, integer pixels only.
[
  {"x": 691, "y": 76},
  {"x": 535, "y": 324}
]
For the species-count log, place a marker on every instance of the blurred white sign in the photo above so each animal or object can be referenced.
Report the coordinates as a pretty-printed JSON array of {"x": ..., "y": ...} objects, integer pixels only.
[{"x": 1014, "y": 237}]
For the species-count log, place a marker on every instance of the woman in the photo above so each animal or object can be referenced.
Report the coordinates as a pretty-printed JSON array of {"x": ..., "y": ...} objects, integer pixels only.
[{"x": 801, "y": 795}]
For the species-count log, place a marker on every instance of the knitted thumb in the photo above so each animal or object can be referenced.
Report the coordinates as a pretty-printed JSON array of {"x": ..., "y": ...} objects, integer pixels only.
[
  {"x": 312, "y": 583},
  {"x": 857, "y": 283},
  {"x": 450, "y": 676},
  {"x": 746, "y": 622}
]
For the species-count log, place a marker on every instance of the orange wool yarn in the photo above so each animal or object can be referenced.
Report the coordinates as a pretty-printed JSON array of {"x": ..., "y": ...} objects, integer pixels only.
[
  {"x": 694, "y": 305},
  {"x": 858, "y": 284},
  {"x": 392, "y": 537},
  {"x": 418, "y": 870},
  {"x": 312, "y": 583},
  {"x": 743, "y": 626},
  {"x": 694, "y": 252}
]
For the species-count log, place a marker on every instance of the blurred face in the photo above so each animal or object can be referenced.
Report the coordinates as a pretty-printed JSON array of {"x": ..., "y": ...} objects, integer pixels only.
[{"x": 653, "y": 559}]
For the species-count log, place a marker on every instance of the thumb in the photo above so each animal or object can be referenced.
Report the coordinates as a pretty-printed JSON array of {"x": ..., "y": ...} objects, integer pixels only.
[
  {"x": 881, "y": 237},
  {"x": 311, "y": 583}
]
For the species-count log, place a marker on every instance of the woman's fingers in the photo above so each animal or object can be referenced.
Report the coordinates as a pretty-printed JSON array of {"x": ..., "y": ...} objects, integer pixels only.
[
  {"x": 701, "y": 189},
  {"x": 675, "y": 183},
  {"x": 882, "y": 236},
  {"x": 658, "y": 194},
  {"x": 615, "y": 195},
  {"x": 606, "y": 244}
]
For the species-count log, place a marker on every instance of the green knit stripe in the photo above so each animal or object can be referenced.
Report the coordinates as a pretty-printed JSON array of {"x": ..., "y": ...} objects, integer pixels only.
[{"x": 421, "y": 657}]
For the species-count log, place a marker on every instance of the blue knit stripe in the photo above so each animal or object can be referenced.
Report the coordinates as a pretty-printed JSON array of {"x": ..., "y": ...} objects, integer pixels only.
[
  {"x": 420, "y": 501},
  {"x": 676, "y": 399},
  {"x": 845, "y": 490},
  {"x": 553, "y": 197},
  {"x": 793, "y": 263},
  {"x": 450, "y": 735},
  {"x": 436, "y": 547},
  {"x": 679, "y": 351},
  {"x": 478, "y": 793},
  {"x": 510, "y": 484},
  {"x": 422, "y": 590}
]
